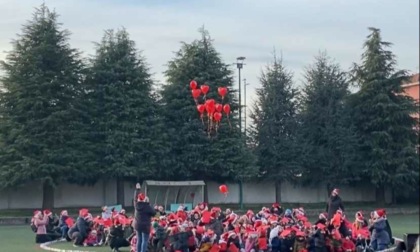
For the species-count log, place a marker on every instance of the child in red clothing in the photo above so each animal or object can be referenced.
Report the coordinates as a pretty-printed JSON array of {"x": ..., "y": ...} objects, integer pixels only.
[
  {"x": 91, "y": 240},
  {"x": 347, "y": 245}
]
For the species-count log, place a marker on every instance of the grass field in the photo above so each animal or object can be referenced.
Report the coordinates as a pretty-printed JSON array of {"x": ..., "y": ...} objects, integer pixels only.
[{"x": 22, "y": 239}]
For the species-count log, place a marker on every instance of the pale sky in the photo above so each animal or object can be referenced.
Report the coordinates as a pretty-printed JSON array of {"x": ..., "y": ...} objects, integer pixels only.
[{"x": 297, "y": 29}]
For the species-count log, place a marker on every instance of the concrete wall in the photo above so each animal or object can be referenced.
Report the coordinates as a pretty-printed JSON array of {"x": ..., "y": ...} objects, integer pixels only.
[{"x": 104, "y": 193}]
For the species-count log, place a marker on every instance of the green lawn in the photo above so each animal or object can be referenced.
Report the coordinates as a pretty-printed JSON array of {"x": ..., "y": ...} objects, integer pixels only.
[{"x": 22, "y": 239}]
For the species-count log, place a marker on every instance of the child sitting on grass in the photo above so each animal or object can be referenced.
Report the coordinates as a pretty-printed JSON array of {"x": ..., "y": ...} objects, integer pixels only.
[{"x": 91, "y": 240}]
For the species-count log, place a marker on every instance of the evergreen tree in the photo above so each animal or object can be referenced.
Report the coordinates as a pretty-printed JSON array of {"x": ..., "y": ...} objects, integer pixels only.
[
  {"x": 275, "y": 124},
  {"x": 39, "y": 107},
  {"x": 381, "y": 113},
  {"x": 193, "y": 154},
  {"x": 326, "y": 133},
  {"x": 125, "y": 139}
]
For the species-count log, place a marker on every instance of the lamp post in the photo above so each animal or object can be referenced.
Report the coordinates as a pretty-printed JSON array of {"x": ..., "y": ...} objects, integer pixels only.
[
  {"x": 245, "y": 84},
  {"x": 239, "y": 65}
]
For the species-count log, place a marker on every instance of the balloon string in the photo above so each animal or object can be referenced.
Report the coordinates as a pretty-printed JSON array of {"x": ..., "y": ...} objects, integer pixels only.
[
  {"x": 208, "y": 125},
  {"x": 230, "y": 125}
]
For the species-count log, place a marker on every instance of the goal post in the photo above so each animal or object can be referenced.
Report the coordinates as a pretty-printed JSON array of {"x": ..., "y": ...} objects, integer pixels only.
[{"x": 171, "y": 194}]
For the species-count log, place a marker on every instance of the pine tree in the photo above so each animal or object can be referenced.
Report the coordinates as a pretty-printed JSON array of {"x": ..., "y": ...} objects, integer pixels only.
[
  {"x": 326, "y": 133},
  {"x": 193, "y": 154},
  {"x": 39, "y": 107},
  {"x": 125, "y": 139},
  {"x": 381, "y": 113},
  {"x": 275, "y": 124}
]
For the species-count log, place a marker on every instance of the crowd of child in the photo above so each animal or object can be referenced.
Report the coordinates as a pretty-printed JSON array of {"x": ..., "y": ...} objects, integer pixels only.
[{"x": 213, "y": 230}]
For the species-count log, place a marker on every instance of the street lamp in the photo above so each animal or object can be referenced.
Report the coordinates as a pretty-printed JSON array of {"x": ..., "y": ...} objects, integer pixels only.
[
  {"x": 239, "y": 65},
  {"x": 245, "y": 84}
]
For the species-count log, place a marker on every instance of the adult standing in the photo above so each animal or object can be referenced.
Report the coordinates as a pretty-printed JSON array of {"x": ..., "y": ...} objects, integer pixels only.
[
  {"x": 334, "y": 203},
  {"x": 143, "y": 217}
]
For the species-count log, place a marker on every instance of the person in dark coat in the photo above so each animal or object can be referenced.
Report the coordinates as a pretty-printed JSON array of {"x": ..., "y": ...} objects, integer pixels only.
[
  {"x": 334, "y": 203},
  {"x": 79, "y": 231},
  {"x": 143, "y": 216},
  {"x": 117, "y": 239},
  {"x": 380, "y": 239}
]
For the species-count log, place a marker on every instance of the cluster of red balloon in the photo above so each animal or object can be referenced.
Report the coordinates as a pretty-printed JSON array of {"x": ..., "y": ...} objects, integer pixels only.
[
  {"x": 224, "y": 189},
  {"x": 214, "y": 109}
]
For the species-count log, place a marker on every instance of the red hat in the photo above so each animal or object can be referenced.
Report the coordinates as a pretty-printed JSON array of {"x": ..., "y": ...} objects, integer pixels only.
[
  {"x": 276, "y": 205},
  {"x": 323, "y": 215},
  {"x": 320, "y": 226},
  {"x": 141, "y": 197},
  {"x": 249, "y": 228},
  {"x": 359, "y": 216},
  {"x": 83, "y": 212},
  {"x": 300, "y": 233},
  {"x": 199, "y": 230},
  {"x": 257, "y": 223},
  {"x": 273, "y": 219},
  {"x": 215, "y": 209},
  {"x": 231, "y": 233},
  {"x": 225, "y": 236},
  {"x": 232, "y": 218},
  {"x": 206, "y": 218},
  {"x": 285, "y": 233},
  {"x": 379, "y": 213}
]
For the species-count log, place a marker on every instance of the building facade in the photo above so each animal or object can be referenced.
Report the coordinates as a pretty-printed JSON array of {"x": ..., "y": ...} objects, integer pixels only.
[{"x": 411, "y": 88}]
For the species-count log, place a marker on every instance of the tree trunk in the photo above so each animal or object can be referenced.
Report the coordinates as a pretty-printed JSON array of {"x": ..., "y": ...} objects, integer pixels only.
[
  {"x": 120, "y": 191},
  {"x": 394, "y": 197},
  {"x": 380, "y": 195},
  {"x": 47, "y": 196},
  {"x": 278, "y": 191}
]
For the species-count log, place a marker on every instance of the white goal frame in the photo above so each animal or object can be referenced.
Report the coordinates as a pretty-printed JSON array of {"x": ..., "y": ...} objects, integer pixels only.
[{"x": 180, "y": 189}]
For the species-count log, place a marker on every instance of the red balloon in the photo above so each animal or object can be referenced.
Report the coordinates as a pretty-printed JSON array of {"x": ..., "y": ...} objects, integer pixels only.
[
  {"x": 219, "y": 107},
  {"x": 223, "y": 189},
  {"x": 201, "y": 108},
  {"x": 210, "y": 109},
  {"x": 193, "y": 84},
  {"x": 226, "y": 109},
  {"x": 222, "y": 91},
  {"x": 210, "y": 106},
  {"x": 196, "y": 93},
  {"x": 217, "y": 116},
  {"x": 210, "y": 102},
  {"x": 205, "y": 89}
]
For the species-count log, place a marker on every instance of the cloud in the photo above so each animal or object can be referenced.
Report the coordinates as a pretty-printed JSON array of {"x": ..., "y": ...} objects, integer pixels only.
[{"x": 298, "y": 29}]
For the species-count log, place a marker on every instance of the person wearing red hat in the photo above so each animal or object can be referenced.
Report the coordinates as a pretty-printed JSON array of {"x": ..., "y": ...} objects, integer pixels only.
[
  {"x": 143, "y": 216},
  {"x": 233, "y": 241},
  {"x": 380, "y": 239},
  {"x": 53, "y": 231},
  {"x": 40, "y": 222},
  {"x": 276, "y": 209},
  {"x": 117, "y": 239},
  {"x": 78, "y": 233},
  {"x": 334, "y": 203}
]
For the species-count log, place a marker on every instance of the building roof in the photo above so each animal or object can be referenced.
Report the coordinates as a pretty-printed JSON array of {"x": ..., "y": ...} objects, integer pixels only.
[
  {"x": 175, "y": 183},
  {"x": 414, "y": 80}
]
